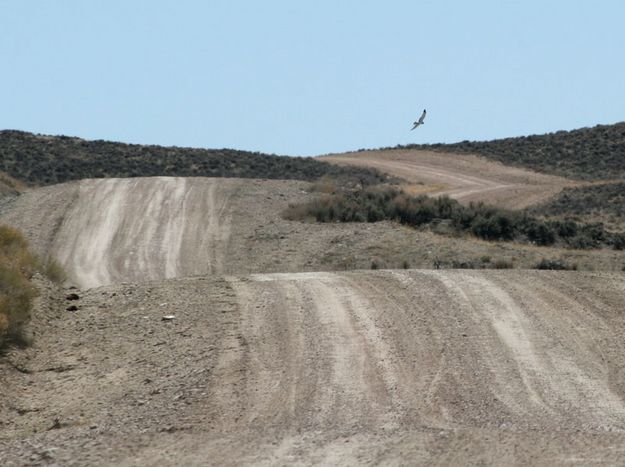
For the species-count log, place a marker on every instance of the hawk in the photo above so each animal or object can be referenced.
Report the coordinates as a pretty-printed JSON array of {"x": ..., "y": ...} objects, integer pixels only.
[{"x": 420, "y": 121}]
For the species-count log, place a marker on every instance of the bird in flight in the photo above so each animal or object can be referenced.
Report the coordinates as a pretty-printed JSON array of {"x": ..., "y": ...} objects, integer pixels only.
[{"x": 420, "y": 121}]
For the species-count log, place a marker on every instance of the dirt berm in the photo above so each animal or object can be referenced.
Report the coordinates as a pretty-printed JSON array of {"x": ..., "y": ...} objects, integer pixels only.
[{"x": 392, "y": 367}]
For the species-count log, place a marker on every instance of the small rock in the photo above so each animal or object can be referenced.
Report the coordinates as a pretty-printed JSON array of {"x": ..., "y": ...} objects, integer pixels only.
[
  {"x": 72, "y": 308},
  {"x": 72, "y": 296},
  {"x": 56, "y": 425},
  {"x": 168, "y": 318}
]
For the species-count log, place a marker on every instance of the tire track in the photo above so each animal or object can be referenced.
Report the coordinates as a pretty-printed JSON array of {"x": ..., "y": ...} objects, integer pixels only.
[
  {"x": 361, "y": 367},
  {"x": 320, "y": 359},
  {"x": 562, "y": 380},
  {"x": 462, "y": 177},
  {"x": 122, "y": 230}
]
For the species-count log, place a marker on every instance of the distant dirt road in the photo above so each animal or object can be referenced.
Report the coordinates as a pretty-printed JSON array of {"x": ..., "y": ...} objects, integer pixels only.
[
  {"x": 393, "y": 367},
  {"x": 114, "y": 230},
  {"x": 143, "y": 228},
  {"x": 463, "y": 177}
]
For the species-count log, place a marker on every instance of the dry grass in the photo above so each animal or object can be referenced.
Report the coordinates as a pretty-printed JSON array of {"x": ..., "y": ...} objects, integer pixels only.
[
  {"x": 53, "y": 270},
  {"x": 9, "y": 182},
  {"x": 17, "y": 265}
]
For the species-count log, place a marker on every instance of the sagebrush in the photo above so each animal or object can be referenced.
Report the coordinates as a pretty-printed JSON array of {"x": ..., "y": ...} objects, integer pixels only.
[
  {"x": 486, "y": 222},
  {"x": 17, "y": 265}
]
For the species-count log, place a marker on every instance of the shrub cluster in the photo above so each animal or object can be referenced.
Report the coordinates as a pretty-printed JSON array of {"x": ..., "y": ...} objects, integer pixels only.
[
  {"x": 555, "y": 264},
  {"x": 17, "y": 265},
  {"x": 486, "y": 222},
  {"x": 606, "y": 200}
]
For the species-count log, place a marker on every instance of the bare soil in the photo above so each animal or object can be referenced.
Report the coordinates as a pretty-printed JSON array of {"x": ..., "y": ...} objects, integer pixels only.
[
  {"x": 466, "y": 178},
  {"x": 394, "y": 367}
]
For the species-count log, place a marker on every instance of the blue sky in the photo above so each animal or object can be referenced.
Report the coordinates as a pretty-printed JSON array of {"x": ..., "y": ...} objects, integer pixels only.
[{"x": 309, "y": 77}]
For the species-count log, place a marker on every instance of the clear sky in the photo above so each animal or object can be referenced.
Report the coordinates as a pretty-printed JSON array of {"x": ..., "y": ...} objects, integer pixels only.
[{"x": 309, "y": 77}]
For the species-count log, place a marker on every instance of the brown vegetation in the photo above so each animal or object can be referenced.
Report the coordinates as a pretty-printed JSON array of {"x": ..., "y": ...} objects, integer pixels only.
[
  {"x": 17, "y": 265},
  {"x": 445, "y": 215}
]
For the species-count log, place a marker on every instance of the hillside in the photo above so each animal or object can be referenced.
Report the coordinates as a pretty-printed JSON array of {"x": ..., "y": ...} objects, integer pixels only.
[
  {"x": 596, "y": 153},
  {"x": 599, "y": 202},
  {"x": 464, "y": 177},
  {"x": 45, "y": 160}
]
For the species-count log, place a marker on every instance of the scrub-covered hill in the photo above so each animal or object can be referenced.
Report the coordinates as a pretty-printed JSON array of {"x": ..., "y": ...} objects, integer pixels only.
[
  {"x": 45, "y": 160},
  {"x": 596, "y": 153}
]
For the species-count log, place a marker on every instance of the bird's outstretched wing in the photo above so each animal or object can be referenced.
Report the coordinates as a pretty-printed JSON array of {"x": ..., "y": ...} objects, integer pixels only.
[
  {"x": 422, "y": 117},
  {"x": 420, "y": 121}
]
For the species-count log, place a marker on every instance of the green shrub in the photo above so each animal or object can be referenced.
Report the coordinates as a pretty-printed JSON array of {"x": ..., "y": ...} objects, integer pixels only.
[
  {"x": 618, "y": 241},
  {"x": 502, "y": 264},
  {"x": 556, "y": 264},
  {"x": 445, "y": 215}
]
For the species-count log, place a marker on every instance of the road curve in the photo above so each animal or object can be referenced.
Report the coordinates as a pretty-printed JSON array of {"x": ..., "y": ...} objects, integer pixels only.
[
  {"x": 392, "y": 367},
  {"x": 463, "y": 177}
]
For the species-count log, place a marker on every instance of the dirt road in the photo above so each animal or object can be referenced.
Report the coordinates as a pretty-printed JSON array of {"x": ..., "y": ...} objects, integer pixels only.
[
  {"x": 463, "y": 177},
  {"x": 394, "y": 367},
  {"x": 141, "y": 229}
]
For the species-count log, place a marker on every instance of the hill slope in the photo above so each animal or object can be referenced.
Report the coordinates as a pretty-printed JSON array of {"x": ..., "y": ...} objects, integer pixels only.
[
  {"x": 45, "y": 160},
  {"x": 601, "y": 202},
  {"x": 466, "y": 178},
  {"x": 384, "y": 367},
  {"x": 596, "y": 153}
]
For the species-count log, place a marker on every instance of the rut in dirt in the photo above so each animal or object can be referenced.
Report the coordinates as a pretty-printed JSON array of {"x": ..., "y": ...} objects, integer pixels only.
[
  {"x": 442, "y": 349},
  {"x": 340, "y": 368}
]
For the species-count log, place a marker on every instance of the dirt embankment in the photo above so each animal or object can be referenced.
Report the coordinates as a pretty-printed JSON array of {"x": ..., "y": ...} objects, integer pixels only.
[
  {"x": 109, "y": 231},
  {"x": 393, "y": 367},
  {"x": 463, "y": 177},
  {"x": 106, "y": 231},
  {"x": 113, "y": 230}
]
